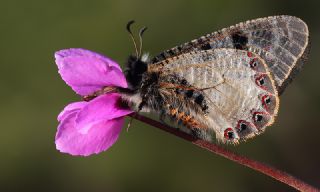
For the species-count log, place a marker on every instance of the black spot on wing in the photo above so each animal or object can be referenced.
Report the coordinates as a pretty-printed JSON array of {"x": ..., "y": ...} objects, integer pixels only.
[
  {"x": 199, "y": 99},
  {"x": 239, "y": 40},
  {"x": 206, "y": 46}
]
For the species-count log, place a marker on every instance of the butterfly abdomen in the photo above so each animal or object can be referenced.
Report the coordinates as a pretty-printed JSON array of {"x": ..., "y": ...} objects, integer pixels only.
[{"x": 174, "y": 97}]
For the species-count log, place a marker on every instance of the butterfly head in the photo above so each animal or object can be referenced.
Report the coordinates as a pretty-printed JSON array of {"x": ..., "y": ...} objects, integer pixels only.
[
  {"x": 134, "y": 71},
  {"x": 136, "y": 64}
]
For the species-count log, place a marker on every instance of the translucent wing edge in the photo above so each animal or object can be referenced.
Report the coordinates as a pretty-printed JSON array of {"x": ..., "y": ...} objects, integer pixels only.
[{"x": 302, "y": 59}]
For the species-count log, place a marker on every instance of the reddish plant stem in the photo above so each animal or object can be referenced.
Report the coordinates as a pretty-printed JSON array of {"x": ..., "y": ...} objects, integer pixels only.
[{"x": 255, "y": 165}]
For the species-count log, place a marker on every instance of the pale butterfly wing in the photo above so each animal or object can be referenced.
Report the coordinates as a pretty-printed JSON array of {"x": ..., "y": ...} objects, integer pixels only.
[
  {"x": 282, "y": 41},
  {"x": 238, "y": 90}
]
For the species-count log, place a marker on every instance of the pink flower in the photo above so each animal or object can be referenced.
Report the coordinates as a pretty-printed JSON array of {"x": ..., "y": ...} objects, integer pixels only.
[{"x": 90, "y": 127}]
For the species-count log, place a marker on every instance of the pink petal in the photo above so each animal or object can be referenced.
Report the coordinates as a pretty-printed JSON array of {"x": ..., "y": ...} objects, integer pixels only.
[
  {"x": 85, "y": 53},
  {"x": 85, "y": 71},
  {"x": 104, "y": 107},
  {"x": 100, "y": 137},
  {"x": 70, "y": 109}
]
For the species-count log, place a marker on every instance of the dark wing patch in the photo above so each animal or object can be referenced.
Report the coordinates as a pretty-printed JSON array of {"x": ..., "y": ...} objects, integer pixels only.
[{"x": 239, "y": 40}]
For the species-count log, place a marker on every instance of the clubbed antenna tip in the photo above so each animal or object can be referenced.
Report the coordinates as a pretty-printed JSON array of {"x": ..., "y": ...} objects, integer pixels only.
[{"x": 142, "y": 30}]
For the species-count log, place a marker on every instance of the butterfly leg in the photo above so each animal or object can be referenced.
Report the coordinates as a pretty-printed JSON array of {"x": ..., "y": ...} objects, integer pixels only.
[{"x": 140, "y": 106}]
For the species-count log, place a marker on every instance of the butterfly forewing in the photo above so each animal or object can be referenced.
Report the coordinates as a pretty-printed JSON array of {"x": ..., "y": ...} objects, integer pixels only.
[
  {"x": 235, "y": 86},
  {"x": 281, "y": 41}
]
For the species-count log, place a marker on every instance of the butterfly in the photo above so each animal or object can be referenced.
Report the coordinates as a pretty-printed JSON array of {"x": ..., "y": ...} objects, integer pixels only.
[{"x": 225, "y": 85}]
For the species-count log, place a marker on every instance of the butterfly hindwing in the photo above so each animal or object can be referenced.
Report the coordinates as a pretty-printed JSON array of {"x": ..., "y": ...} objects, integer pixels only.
[
  {"x": 282, "y": 41},
  {"x": 228, "y": 92}
]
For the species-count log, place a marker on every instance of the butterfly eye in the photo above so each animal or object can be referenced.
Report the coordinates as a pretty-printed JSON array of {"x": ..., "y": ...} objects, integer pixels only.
[
  {"x": 260, "y": 81},
  {"x": 253, "y": 63},
  {"x": 229, "y": 134}
]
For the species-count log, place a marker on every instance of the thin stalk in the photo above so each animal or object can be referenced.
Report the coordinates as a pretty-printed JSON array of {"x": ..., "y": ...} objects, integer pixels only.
[{"x": 219, "y": 150}]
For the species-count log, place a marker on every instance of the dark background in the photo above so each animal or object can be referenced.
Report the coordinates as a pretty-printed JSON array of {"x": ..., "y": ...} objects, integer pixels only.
[{"x": 145, "y": 158}]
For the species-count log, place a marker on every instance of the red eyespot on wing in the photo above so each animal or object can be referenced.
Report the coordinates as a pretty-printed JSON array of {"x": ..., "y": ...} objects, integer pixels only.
[
  {"x": 269, "y": 103},
  {"x": 266, "y": 101},
  {"x": 249, "y": 54},
  {"x": 260, "y": 80},
  {"x": 229, "y": 134},
  {"x": 261, "y": 119},
  {"x": 263, "y": 80},
  {"x": 258, "y": 116},
  {"x": 246, "y": 129},
  {"x": 242, "y": 125},
  {"x": 253, "y": 63}
]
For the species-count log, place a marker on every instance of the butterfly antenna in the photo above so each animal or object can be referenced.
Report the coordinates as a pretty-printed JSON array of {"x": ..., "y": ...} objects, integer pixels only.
[
  {"x": 142, "y": 30},
  {"x": 131, "y": 35}
]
